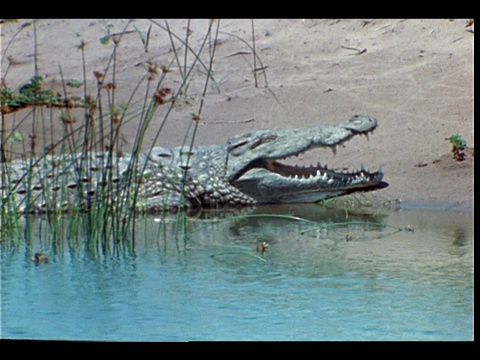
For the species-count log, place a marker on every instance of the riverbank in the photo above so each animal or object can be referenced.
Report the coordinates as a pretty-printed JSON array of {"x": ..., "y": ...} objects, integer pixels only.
[{"x": 414, "y": 76}]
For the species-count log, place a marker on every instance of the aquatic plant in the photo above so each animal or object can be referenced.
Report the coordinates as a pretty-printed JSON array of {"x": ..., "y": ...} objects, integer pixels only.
[{"x": 100, "y": 127}]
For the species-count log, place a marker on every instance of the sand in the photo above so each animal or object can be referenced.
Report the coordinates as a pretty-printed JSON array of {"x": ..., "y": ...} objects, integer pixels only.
[{"x": 414, "y": 76}]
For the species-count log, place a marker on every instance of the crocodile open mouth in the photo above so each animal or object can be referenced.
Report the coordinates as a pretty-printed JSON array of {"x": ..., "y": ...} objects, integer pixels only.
[
  {"x": 270, "y": 179},
  {"x": 319, "y": 173}
]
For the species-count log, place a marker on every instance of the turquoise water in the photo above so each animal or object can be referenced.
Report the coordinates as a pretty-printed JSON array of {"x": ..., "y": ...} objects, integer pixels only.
[{"x": 349, "y": 282}]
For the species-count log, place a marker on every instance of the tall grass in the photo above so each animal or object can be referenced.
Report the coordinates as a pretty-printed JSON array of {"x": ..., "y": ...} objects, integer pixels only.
[{"x": 98, "y": 131}]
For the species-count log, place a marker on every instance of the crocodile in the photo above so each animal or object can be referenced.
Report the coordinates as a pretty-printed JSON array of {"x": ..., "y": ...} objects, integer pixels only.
[{"x": 246, "y": 170}]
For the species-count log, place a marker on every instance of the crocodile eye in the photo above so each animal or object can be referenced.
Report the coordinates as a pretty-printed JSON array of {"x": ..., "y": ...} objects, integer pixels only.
[
  {"x": 263, "y": 140},
  {"x": 236, "y": 146}
]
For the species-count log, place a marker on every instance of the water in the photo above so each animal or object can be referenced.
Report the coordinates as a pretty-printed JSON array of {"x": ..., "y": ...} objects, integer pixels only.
[{"x": 350, "y": 282}]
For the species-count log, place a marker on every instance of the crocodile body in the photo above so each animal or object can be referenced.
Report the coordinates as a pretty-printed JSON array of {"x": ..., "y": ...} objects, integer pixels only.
[{"x": 244, "y": 171}]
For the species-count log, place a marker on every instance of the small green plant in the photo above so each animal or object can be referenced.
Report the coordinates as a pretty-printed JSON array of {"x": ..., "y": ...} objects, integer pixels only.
[
  {"x": 30, "y": 94},
  {"x": 74, "y": 83},
  {"x": 458, "y": 146},
  {"x": 145, "y": 38},
  {"x": 104, "y": 40}
]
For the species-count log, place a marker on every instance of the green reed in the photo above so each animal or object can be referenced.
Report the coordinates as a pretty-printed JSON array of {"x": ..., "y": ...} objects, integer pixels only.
[{"x": 99, "y": 130}]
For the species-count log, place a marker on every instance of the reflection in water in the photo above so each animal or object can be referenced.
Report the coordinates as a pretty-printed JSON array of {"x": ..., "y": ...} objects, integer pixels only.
[{"x": 407, "y": 275}]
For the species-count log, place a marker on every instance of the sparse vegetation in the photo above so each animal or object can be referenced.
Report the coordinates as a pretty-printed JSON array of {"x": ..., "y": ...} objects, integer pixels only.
[
  {"x": 33, "y": 94},
  {"x": 102, "y": 124}
]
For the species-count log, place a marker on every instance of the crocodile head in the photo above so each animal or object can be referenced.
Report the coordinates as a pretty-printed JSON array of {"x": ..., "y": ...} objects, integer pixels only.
[{"x": 253, "y": 165}]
